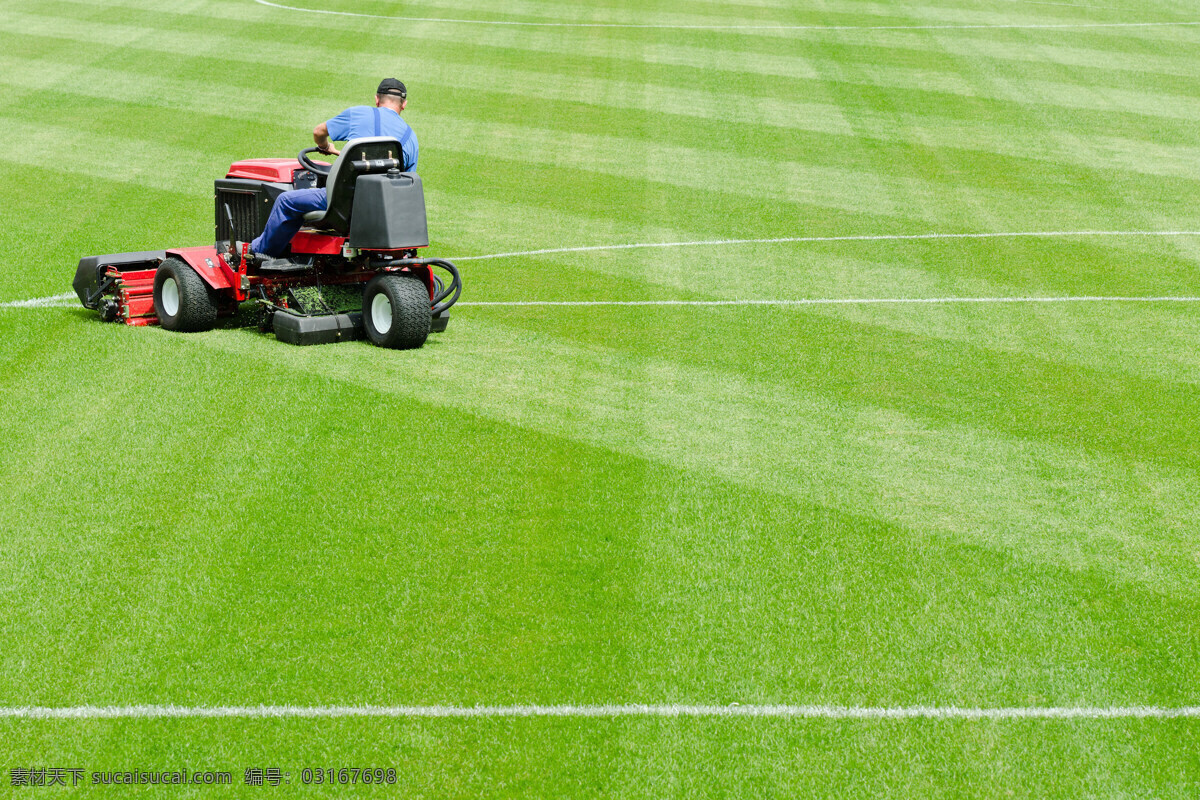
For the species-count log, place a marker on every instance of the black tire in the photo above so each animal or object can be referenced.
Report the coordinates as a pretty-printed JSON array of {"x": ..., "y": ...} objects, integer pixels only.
[
  {"x": 396, "y": 312},
  {"x": 191, "y": 299}
]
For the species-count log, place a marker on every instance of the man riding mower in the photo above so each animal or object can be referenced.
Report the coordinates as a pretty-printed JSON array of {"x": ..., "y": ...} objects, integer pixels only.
[{"x": 349, "y": 268}]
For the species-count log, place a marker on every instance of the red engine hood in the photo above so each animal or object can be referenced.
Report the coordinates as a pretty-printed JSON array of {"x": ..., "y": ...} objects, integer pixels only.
[{"x": 276, "y": 170}]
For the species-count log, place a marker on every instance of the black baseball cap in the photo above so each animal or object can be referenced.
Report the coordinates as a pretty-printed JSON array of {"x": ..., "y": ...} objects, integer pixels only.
[{"x": 393, "y": 87}]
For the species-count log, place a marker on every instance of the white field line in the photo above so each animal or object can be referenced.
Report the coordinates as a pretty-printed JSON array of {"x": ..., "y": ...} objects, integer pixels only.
[
  {"x": 1069, "y": 5},
  {"x": 40, "y": 302},
  {"x": 55, "y": 302},
  {"x": 890, "y": 237},
  {"x": 604, "y": 711},
  {"x": 835, "y": 301},
  {"x": 63, "y": 300},
  {"x": 1065, "y": 25}
]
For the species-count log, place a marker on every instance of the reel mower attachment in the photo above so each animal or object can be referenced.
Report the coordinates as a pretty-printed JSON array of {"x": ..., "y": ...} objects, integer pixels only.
[{"x": 119, "y": 286}]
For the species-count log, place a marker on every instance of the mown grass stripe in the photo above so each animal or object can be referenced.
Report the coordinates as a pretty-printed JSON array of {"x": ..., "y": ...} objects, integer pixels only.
[
  {"x": 959, "y": 479},
  {"x": 829, "y": 301},
  {"x": 1116, "y": 42},
  {"x": 66, "y": 141},
  {"x": 1100, "y": 62},
  {"x": 69, "y": 139},
  {"x": 814, "y": 182},
  {"x": 594, "y": 15},
  {"x": 838, "y": 16},
  {"x": 56, "y": 301},
  {"x": 656, "y": 519},
  {"x": 686, "y": 168},
  {"x": 745, "y": 27},
  {"x": 608, "y": 711},
  {"x": 859, "y": 21},
  {"x": 892, "y": 77},
  {"x": 663, "y": 106},
  {"x": 793, "y": 61},
  {"x": 903, "y": 149},
  {"x": 847, "y": 238}
]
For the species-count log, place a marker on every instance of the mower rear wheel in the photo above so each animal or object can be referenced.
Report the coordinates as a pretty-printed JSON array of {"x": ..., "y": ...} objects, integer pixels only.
[
  {"x": 396, "y": 311},
  {"x": 182, "y": 300}
]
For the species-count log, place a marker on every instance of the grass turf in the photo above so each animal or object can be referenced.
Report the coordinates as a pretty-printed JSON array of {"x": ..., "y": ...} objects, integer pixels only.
[{"x": 885, "y": 505}]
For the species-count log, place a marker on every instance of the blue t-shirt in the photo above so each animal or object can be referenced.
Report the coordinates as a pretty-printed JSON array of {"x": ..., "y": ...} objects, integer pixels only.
[{"x": 359, "y": 121}]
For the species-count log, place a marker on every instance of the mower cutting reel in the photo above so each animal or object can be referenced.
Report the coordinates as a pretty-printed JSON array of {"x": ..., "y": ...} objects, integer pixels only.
[{"x": 351, "y": 273}]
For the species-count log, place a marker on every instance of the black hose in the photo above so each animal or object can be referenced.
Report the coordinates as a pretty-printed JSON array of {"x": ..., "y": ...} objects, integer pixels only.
[{"x": 448, "y": 296}]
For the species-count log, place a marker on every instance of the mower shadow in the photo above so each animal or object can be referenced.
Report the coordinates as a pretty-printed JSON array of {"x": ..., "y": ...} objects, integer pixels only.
[{"x": 246, "y": 319}]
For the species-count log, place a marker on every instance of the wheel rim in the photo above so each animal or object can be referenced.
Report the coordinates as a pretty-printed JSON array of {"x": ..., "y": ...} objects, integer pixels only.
[
  {"x": 381, "y": 313},
  {"x": 170, "y": 297}
]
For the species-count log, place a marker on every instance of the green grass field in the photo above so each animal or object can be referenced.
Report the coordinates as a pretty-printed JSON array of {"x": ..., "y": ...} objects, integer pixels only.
[{"x": 877, "y": 506}]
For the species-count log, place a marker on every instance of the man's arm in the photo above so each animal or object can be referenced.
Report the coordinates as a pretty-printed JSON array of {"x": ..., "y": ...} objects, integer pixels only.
[{"x": 321, "y": 139}]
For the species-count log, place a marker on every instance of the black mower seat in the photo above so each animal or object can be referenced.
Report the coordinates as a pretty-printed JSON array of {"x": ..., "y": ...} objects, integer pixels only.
[{"x": 366, "y": 156}]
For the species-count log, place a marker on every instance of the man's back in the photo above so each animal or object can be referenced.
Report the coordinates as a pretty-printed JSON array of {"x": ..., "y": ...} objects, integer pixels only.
[{"x": 359, "y": 121}]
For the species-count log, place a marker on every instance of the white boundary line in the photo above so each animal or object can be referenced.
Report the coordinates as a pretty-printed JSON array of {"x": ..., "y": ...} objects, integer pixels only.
[
  {"x": 1061, "y": 25},
  {"x": 62, "y": 300},
  {"x": 830, "y": 712},
  {"x": 55, "y": 302},
  {"x": 40, "y": 302},
  {"x": 1068, "y": 5},
  {"x": 887, "y": 237},
  {"x": 836, "y": 301}
]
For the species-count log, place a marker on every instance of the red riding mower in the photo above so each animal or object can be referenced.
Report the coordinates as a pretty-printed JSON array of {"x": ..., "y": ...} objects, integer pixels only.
[{"x": 353, "y": 269}]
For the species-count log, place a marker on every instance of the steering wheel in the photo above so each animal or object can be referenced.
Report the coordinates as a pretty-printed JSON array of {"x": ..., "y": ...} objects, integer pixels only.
[{"x": 318, "y": 167}]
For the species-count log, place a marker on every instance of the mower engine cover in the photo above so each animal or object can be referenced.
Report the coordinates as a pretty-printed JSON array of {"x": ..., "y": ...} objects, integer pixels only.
[{"x": 389, "y": 213}]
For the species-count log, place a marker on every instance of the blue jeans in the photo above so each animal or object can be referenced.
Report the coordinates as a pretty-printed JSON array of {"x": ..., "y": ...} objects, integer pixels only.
[{"x": 286, "y": 218}]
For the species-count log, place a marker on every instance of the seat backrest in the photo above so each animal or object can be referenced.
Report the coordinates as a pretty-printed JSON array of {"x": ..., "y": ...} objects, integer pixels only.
[{"x": 364, "y": 156}]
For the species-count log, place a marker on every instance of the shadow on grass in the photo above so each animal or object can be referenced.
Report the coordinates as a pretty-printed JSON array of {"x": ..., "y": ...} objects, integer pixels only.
[
  {"x": 244, "y": 320},
  {"x": 247, "y": 319}
]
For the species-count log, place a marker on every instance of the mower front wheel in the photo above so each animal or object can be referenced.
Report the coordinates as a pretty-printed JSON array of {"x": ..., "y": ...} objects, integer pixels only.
[
  {"x": 182, "y": 300},
  {"x": 396, "y": 311}
]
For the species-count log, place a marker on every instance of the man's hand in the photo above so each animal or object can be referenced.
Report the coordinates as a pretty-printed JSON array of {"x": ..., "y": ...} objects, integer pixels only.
[{"x": 330, "y": 151}]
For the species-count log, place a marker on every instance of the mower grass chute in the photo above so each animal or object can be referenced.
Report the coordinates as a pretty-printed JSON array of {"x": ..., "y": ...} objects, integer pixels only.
[{"x": 351, "y": 272}]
